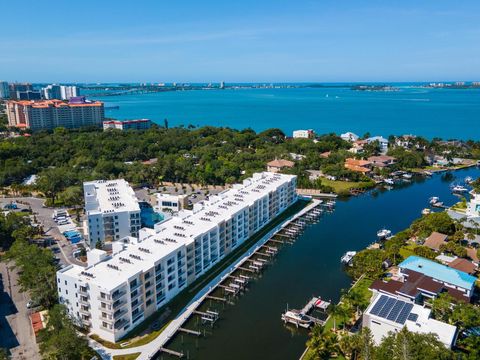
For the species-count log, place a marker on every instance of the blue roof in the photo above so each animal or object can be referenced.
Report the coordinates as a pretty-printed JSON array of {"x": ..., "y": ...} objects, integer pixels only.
[{"x": 439, "y": 271}]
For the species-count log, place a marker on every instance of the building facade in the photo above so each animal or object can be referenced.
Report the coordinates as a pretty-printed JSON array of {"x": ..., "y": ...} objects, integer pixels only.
[
  {"x": 4, "y": 90},
  {"x": 49, "y": 114},
  {"x": 138, "y": 124},
  {"x": 303, "y": 134},
  {"x": 171, "y": 203},
  {"x": 112, "y": 211},
  {"x": 61, "y": 92},
  {"x": 473, "y": 208},
  {"x": 118, "y": 292}
]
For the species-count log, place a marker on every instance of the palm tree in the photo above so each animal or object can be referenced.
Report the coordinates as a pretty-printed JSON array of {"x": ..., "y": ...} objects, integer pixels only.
[
  {"x": 323, "y": 342},
  {"x": 334, "y": 311}
]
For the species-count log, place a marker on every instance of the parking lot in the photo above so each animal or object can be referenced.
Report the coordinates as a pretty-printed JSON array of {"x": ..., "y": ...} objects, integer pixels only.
[{"x": 62, "y": 248}]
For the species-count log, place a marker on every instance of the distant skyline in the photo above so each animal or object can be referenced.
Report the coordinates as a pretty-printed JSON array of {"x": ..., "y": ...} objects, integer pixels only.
[{"x": 247, "y": 41}]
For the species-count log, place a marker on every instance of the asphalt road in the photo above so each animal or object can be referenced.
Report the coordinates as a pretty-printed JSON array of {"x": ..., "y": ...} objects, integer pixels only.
[{"x": 16, "y": 332}]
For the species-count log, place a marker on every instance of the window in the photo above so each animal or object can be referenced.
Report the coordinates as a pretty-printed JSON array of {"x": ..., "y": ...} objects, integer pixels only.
[{"x": 65, "y": 282}]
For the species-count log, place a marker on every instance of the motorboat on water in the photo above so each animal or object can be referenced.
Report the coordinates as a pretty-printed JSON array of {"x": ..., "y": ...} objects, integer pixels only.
[
  {"x": 459, "y": 189},
  {"x": 426, "y": 211},
  {"x": 383, "y": 233},
  {"x": 297, "y": 318},
  {"x": 407, "y": 176},
  {"x": 434, "y": 200},
  {"x": 468, "y": 180},
  {"x": 389, "y": 181},
  {"x": 428, "y": 173},
  {"x": 348, "y": 257}
]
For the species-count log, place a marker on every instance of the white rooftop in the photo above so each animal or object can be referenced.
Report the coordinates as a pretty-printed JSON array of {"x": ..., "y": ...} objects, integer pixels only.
[
  {"x": 180, "y": 230},
  {"x": 106, "y": 196}
]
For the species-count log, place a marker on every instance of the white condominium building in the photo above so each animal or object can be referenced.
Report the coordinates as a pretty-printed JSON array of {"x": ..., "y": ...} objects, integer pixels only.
[
  {"x": 303, "y": 134},
  {"x": 116, "y": 293},
  {"x": 112, "y": 211}
]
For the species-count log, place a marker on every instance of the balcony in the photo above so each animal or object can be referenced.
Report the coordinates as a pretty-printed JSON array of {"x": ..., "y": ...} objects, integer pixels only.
[
  {"x": 117, "y": 304},
  {"x": 86, "y": 322},
  {"x": 121, "y": 323},
  {"x": 118, "y": 295},
  {"x": 117, "y": 314},
  {"x": 83, "y": 291},
  {"x": 84, "y": 300},
  {"x": 106, "y": 299},
  {"x": 84, "y": 311}
]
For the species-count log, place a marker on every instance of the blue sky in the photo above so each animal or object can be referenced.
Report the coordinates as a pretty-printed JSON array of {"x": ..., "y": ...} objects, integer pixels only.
[{"x": 241, "y": 41}]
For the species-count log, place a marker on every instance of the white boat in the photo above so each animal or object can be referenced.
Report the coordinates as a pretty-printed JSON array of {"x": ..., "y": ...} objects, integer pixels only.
[
  {"x": 434, "y": 200},
  {"x": 426, "y": 211},
  {"x": 459, "y": 189},
  {"x": 389, "y": 181},
  {"x": 428, "y": 173},
  {"x": 407, "y": 176},
  {"x": 348, "y": 257},
  {"x": 297, "y": 318},
  {"x": 468, "y": 180},
  {"x": 383, "y": 233}
]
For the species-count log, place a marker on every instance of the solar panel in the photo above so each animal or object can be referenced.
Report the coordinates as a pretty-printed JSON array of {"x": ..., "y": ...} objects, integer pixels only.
[
  {"x": 395, "y": 310},
  {"x": 387, "y": 307},
  {"x": 413, "y": 317},
  {"x": 378, "y": 305},
  {"x": 402, "y": 317}
]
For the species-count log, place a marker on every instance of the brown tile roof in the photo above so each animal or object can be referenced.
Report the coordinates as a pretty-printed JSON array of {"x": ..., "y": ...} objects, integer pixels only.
[
  {"x": 435, "y": 240},
  {"x": 357, "y": 168},
  {"x": 472, "y": 254},
  {"x": 463, "y": 265},
  {"x": 457, "y": 294},
  {"x": 381, "y": 158},
  {"x": 279, "y": 163},
  {"x": 389, "y": 287},
  {"x": 355, "y": 162}
]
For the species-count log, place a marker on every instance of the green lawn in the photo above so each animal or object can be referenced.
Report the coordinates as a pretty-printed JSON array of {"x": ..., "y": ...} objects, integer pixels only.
[
  {"x": 407, "y": 250},
  {"x": 184, "y": 297},
  {"x": 344, "y": 187}
]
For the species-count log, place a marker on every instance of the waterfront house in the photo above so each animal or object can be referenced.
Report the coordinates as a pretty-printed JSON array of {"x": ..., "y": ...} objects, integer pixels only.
[
  {"x": 382, "y": 142},
  {"x": 381, "y": 160},
  {"x": 278, "y": 165},
  {"x": 388, "y": 314},
  {"x": 349, "y": 136},
  {"x": 363, "y": 166},
  {"x": 436, "y": 240},
  {"x": 415, "y": 287},
  {"x": 451, "y": 278},
  {"x": 473, "y": 208}
]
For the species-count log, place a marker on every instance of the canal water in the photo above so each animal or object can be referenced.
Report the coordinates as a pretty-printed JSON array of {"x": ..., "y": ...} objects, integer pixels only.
[{"x": 252, "y": 329}]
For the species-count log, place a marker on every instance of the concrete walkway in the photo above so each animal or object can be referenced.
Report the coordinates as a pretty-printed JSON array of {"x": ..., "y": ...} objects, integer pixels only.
[{"x": 149, "y": 350}]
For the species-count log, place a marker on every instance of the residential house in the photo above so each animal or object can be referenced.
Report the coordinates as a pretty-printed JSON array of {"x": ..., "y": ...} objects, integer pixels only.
[
  {"x": 387, "y": 314},
  {"x": 303, "y": 134},
  {"x": 363, "y": 166},
  {"x": 463, "y": 265},
  {"x": 349, "y": 136},
  {"x": 278, "y": 165},
  {"x": 435, "y": 241},
  {"x": 451, "y": 278},
  {"x": 382, "y": 142},
  {"x": 381, "y": 160}
]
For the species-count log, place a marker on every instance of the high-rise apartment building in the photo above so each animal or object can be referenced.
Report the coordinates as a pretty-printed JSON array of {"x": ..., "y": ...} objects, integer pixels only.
[
  {"x": 61, "y": 92},
  {"x": 116, "y": 293},
  {"x": 49, "y": 114},
  {"x": 4, "y": 90}
]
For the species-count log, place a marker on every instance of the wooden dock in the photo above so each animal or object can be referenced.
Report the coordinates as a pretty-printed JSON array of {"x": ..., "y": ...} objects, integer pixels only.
[
  {"x": 189, "y": 331},
  {"x": 171, "y": 352}
]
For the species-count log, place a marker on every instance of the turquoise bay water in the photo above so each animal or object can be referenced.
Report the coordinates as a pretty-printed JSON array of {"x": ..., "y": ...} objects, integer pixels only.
[{"x": 445, "y": 113}]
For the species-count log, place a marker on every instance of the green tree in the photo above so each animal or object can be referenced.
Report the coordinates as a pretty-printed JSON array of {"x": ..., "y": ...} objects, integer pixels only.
[{"x": 60, "y": 339}]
